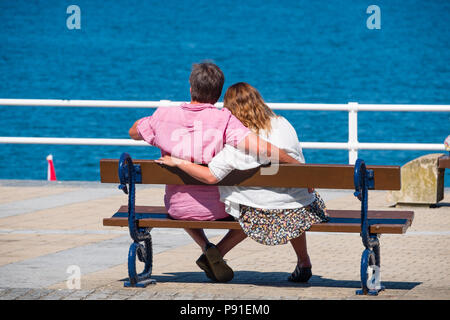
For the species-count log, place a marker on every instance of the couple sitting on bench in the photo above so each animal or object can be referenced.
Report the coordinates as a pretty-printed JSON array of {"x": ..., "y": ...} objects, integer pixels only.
[{"x": 244, "y": 134}]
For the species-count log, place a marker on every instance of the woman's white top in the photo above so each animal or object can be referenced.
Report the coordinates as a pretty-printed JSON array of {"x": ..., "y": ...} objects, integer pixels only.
[{"x": 283, "y": 136}]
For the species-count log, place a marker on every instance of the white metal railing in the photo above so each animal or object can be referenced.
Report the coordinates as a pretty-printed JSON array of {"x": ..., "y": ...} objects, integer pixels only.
[{"x": 352, "y": 108}]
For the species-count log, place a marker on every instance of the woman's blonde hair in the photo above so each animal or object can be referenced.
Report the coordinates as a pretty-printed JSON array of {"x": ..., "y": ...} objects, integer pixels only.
[{"x": 246, "y": 104}]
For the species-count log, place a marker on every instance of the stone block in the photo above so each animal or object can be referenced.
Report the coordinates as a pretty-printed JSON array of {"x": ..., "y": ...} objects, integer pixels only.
[{"x": 422, "y": 182}]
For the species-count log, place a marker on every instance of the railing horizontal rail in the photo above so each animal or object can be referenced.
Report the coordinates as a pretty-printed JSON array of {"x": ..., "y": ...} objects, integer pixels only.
[
  {"x": 305, "y": 145},
  {"x": 274, "y": 105}
]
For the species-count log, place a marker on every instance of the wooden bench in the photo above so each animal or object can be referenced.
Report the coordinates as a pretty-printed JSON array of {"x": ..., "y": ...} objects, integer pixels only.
[
  {"x": 444, "y": 162},
  {"x": 370, "y": 224}
]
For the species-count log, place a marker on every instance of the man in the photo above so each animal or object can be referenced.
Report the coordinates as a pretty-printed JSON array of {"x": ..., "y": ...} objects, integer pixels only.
[{"x": 197, "y": 131}]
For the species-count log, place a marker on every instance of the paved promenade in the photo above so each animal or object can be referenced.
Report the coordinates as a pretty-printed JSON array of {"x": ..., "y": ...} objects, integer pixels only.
[{"x": 50, "y": 230}]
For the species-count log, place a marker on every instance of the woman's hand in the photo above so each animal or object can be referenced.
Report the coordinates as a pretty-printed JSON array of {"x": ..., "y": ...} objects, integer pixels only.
[
  {"x": 169, "y": 161},
  {"x": 199, "y": 172}
]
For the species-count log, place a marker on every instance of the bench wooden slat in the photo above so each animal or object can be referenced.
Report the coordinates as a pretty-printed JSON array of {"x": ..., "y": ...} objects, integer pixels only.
[
  {"x": 290, "y": 176},
  {"x": 323, "y": 227},
  {"x": 395, "y": 222},
  {"x": 346, "y": 220},
  {"x": 444, "y": 162},
  {"x": 356, "y": 214},
  {"x": 374, "y": 214}
]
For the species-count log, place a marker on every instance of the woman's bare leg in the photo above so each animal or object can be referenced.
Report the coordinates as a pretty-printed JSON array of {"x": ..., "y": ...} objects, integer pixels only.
[{"x": 301, "y": 250}]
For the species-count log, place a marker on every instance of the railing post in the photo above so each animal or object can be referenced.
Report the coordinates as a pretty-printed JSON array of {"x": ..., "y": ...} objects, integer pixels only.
[{"x": 352, "y": 132}]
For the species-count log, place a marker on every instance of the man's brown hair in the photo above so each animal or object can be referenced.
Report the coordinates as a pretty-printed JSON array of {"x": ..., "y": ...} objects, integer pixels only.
[{"x": 206, "y": 81}]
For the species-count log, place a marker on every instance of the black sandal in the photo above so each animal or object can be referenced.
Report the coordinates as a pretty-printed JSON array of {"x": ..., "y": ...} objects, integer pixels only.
[{"x": 300, "y": 274}]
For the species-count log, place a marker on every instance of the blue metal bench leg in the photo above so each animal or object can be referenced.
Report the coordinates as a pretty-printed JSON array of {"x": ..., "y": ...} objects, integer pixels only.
[
  {"x": 141, "y": 247},
  {"x": 144, "y": 254},
  {"x": 370, "y": 272},
  {"x": 370, "y": 259}
]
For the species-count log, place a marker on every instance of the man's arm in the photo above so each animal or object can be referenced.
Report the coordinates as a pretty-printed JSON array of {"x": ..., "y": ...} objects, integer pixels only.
[
  {"x": 260, "y": 148},
  {"x": 134, "y": 133}
]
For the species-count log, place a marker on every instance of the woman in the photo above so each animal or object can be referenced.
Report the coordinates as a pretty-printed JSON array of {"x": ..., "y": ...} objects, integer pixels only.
[{"x": 270, "y": 216}]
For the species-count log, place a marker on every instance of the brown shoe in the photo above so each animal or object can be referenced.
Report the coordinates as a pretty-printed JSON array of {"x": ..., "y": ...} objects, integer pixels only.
[
  {"x": 221, "y": 271},
  {"x": 203, "y": 263}
]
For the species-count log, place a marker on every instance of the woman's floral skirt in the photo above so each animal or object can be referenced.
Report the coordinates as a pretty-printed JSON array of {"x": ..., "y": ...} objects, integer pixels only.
[{"x": 278, "y": 226}]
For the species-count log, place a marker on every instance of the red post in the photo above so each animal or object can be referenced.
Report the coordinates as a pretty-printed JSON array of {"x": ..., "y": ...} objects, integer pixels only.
[{"x": 51, "y": 174}]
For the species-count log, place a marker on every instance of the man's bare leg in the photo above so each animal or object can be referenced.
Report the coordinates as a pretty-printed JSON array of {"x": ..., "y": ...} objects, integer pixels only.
[
  {"x": 230, "y": 240},
  {"x": 211, "y": 261},
  {"x": 199, "y": 237}
]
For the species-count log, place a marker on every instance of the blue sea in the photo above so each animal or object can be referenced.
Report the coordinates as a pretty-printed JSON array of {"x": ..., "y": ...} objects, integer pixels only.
[{"x": 291, "y": 51}]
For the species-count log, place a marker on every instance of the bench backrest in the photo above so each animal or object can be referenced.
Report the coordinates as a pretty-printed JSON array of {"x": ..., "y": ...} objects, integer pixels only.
[
  {"x": 444, "y": 162},
  {"x": 327, "y": 176}
]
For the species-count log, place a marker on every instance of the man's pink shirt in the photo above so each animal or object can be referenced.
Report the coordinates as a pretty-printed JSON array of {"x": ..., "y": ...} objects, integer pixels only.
[{"x": 194, "y": 132}]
